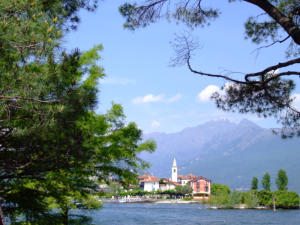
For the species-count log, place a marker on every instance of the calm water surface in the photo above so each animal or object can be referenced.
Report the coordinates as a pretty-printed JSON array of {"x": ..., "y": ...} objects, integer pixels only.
[{"x": 188, "y": 214}]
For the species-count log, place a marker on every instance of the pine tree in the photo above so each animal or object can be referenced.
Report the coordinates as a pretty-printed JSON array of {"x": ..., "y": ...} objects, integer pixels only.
[{"x": 51, "y": 142}]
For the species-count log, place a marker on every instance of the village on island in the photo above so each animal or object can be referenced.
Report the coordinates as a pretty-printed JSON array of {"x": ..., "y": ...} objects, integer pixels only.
[
  {"x": 199, "y": 184},
  {"x": 199, "y": 188}
]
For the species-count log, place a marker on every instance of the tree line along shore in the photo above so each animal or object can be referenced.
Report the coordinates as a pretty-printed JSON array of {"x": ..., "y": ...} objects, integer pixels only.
[{"x": 222, "y": 197}]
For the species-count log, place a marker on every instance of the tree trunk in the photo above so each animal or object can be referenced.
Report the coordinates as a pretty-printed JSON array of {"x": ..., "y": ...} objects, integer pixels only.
[
  {"x": 285, "y": 22},
  {"x": 65, "y": 213},
  {"x": 2, "y": 219}
]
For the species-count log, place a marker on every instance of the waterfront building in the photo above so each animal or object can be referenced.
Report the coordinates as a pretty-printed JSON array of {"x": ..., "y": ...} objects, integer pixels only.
[
  {"x": 165, "y": 185},
  {"x": 200, "y": 186},
  {"x": 148, "y": 183},
  {"x": 183, "y": 180}
]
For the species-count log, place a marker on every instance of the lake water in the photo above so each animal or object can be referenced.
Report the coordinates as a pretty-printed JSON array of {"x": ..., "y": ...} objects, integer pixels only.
[{"x": 188, "y": 214}]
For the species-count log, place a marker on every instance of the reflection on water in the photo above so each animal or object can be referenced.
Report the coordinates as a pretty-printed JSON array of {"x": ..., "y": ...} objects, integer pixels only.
[{"x": 188, "y": 214}]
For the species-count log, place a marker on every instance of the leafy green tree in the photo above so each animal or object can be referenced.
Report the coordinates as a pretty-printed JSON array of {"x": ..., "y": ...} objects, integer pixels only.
[
  {"x": 266, "y": 182},
  {"x": 54, "y": 148},
  {"x": 215, "y": 188},
  {"x": 220, "y": 198},
  {"x": 251, "y": 199},
  {"x": 220, "y": 195},
  {"x": 254, "y": 183},
  {"x": 115, "y": 189},
  {"x": 265, "y": 198},
  {"x": 171, "y": 193},
  {"x": 282, "y": 180},
  {"x": 263, "y": 92},
  {"x": 235, "y": 199},
  {"x": 287, "y": 199},
  {"x": 183, "y": 190}
]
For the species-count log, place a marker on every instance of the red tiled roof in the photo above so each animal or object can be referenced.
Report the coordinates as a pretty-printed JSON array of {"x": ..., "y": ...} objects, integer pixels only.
[
  {"x": 165, "y": 181},
  {"x": 175, "y": 183},
  {"x": 148, "y": 179},
  {"x": 187, "y": 177},
  {"x": 199, "y": 178}
]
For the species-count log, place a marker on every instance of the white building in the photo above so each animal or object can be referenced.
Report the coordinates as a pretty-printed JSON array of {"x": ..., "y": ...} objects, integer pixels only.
[
  {"x": 183, "y": 180},
  {"x": 148, "y": 183},
  {"x": 167, "y": 185}
]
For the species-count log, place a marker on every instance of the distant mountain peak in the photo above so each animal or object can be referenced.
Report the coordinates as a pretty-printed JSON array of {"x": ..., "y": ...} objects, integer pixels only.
[{"x": 248, "y": 123}]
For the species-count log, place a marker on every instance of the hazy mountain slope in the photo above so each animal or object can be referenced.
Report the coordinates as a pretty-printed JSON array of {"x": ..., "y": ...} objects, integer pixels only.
[{"x": 227, "y": 153}]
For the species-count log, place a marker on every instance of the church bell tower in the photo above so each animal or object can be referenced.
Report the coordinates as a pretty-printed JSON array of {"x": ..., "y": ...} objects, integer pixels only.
[{"x": 174, "y": 171}]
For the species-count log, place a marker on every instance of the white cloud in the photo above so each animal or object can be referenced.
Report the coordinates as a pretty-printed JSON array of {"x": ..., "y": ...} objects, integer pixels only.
[
  {"x": 155, "y": 123},
  {"x": 148, "y": 98},
  {"x": 204, "y": 96},
  {"x": 156, "y": 98},
  {"x": 175, "y": 98},
  {"x": 296, "y": 102},
  {"x": 117, "y": 81}
]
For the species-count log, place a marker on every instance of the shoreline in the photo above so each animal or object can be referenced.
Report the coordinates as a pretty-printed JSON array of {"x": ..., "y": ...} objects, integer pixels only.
[
  {"x": 151, "y": 201},
  {"x": 179, "y": 201}
]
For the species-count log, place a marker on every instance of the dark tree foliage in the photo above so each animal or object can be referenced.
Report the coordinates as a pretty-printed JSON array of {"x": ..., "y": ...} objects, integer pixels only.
[
  {"x": 53, "y": 147},
  {"x": 266, "y": 92},
  {"x": 265, "y": 198},
  {"x": 254, "y": 183},
  {"x": 68, "y": 9},
  {"x": 266, "y": 182},
  {"x": 287, "y": 199},
  {"x": 283, "y": 199},
  {"x": 282, "y": 180}
]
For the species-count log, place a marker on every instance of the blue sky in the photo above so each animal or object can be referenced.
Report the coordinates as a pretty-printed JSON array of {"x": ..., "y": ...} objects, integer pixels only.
[{"x": 160, "y": 98}]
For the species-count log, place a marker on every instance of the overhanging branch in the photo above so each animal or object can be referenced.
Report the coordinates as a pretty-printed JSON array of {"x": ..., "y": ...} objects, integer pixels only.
[
  {"x": 15, "y": 98},
  {"x": 273, "y": 68}
]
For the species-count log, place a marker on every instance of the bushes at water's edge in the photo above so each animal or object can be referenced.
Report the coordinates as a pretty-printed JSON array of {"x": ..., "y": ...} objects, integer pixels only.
[
  {"x": 265, "y": 198},
  {"x": 283, "y": 199},
  {"x": 253, "y": 199},
  {"x": 287, "y": 199}
]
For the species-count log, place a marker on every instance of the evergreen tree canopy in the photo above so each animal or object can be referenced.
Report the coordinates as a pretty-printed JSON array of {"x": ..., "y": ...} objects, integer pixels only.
[
  {"x": 266, "y": 92},
  {"x": 254, "y": 183},
  {"x": 266, "y": 182},
  {"x": 53, "y": 147},
  {"x": 282, "y": 180}
]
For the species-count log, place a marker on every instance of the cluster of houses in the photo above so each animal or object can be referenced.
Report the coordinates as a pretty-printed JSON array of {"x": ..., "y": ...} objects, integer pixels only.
[{"x": 200, "y": 185}]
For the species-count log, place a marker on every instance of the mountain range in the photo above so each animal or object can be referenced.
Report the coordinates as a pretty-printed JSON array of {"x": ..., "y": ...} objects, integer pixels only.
[{"x": 227, "y": 153}]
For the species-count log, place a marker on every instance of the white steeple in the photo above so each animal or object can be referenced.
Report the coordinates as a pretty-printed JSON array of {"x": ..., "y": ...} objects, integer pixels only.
[
  {"x": 174, "y": 163},
  {"x": 174, "y": 171}
]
